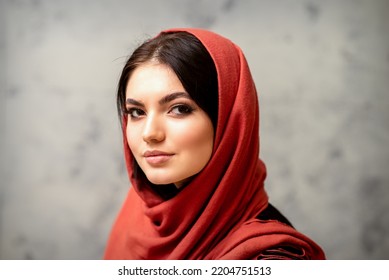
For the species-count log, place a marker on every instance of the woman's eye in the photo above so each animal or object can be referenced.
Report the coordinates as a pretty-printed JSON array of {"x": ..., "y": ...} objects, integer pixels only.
[
  {"x": 181, "y": 110},
  {"x": 134, "y": 113}
]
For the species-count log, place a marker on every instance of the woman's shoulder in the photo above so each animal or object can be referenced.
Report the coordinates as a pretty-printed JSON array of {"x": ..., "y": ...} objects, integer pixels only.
[
  {"x": 282, "y": 251},
  {"x": 270, "y": 236},
  {"x": 272, "y": 213}
]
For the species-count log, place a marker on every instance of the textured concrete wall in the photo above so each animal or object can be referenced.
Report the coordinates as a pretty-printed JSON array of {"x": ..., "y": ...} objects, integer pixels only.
[{"x": 322, "y": 70}]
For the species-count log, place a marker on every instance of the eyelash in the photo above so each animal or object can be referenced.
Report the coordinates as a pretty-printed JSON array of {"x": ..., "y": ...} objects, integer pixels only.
[
  {"x": 131, "y": 111},
  {"x": 187, "y": 109},
  {"x": 183, "y": 110}
]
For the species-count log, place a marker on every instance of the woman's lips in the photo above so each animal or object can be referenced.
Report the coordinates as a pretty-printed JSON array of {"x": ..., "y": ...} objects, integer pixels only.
[{"x": 157, "y": 157}]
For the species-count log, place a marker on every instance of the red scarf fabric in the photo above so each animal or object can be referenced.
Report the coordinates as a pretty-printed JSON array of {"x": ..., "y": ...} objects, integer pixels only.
[{"x": 213, "y": 217}]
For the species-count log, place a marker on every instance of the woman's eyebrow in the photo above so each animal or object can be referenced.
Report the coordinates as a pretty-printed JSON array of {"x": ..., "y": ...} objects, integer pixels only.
[
  {"x": 166, "y": 99},
  {"x": 134, "y": 102},
  {"x": 170, "y": 97}
]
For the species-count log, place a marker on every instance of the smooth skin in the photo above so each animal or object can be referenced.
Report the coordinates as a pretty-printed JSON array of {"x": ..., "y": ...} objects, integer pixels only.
[{"x": 170, "y": 136}]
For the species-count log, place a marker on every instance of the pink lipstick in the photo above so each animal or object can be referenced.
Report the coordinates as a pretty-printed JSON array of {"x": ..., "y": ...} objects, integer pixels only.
[{"x": 157, "y": 157}]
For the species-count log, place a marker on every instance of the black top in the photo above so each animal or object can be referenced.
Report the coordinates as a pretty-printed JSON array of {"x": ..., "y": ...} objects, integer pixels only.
[{"x": 272, "y": 213}]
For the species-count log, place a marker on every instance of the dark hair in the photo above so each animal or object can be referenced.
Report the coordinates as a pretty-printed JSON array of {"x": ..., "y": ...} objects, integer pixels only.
[
  {"x": 195, "y": 69},
  {"x": 189, "y": 60}
]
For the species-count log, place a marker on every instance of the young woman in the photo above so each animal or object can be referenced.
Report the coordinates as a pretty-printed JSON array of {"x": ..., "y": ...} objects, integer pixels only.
[{"x": 190, "y": 118}]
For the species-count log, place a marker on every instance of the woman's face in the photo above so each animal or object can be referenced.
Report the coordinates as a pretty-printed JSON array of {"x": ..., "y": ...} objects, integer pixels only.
[{"x": 170, "y": 136}]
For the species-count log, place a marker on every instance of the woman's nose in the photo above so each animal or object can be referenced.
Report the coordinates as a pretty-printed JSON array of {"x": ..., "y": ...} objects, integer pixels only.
[{"x": 153, "y": 130}]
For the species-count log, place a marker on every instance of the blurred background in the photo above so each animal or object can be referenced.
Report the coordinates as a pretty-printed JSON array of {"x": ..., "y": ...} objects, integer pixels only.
[{"x": 322, "y": 71}]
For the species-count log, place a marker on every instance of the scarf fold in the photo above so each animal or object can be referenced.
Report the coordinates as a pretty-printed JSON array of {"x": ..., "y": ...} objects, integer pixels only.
[{"x": 213, "y": 217}]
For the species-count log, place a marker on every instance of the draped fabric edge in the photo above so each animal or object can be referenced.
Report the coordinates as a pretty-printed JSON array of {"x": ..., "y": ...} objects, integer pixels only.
[{"x": 194, "y": 235}]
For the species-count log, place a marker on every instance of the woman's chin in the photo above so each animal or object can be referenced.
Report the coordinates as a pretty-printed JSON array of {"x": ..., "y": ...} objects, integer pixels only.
[
  {"x": 165, "y": 181},
  {"x": 159, "y": 181}
]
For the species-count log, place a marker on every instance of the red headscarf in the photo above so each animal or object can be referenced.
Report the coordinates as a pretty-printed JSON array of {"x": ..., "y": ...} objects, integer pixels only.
[{"x": 213, "y": 217}]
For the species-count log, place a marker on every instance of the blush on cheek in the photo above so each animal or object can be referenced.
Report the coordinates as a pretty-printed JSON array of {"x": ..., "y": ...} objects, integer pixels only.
[{"x": 197, "y": 140}]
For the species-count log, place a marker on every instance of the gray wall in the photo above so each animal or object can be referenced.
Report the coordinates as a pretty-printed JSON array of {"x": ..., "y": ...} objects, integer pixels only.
[{"x": 322, "y": 70}]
